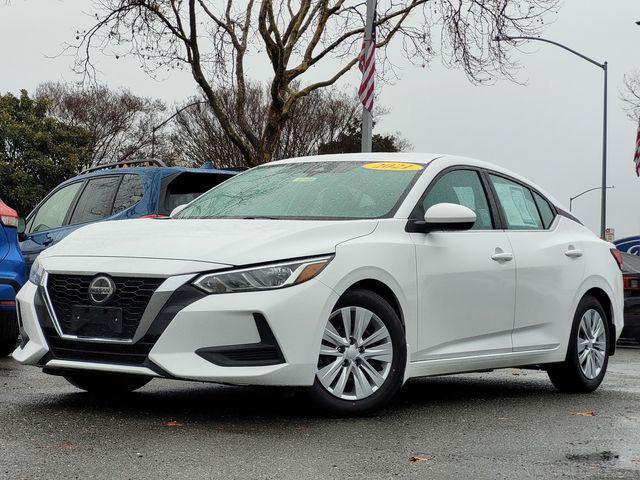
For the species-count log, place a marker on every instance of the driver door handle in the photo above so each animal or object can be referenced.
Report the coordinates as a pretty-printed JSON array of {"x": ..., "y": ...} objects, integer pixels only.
[{"x": 502, "y": 257}]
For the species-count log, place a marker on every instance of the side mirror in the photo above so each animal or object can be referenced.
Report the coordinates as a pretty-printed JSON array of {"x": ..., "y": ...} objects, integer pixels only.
[
  {"x": 446, "y": 217},
  {"x": 178, "y": 209}
]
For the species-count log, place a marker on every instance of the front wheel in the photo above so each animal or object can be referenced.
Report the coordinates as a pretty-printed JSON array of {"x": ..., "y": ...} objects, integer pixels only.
[
  {"x": 108, "y": 384},
  {"x": 362, "y": 356},
  {"x": 588, "y": 354}
]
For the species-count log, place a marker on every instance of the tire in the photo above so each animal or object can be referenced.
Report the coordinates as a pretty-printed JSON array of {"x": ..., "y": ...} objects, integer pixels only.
[
  {"x": 107, "y": 384},
  {"x": 345, "y": 391},
  {"x": 8, "y": 333},
  {"x": 569, "y": 376}
]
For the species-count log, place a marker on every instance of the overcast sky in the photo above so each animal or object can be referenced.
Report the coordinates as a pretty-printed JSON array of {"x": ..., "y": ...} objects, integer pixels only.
[{"x": 548, "y": 130}]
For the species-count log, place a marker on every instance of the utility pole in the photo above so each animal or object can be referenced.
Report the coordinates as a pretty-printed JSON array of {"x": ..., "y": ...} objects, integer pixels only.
[{"x": 367, "y": 118}]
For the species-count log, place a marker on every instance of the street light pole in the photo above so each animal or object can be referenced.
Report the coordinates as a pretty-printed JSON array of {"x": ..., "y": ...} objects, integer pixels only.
[
  {"x": 571, "y": 199},
  {"x": 367, "y": 117},
  {"x": 604, "y": 67}
]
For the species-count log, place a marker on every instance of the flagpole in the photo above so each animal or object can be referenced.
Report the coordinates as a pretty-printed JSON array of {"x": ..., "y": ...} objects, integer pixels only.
[{"x": 367, "y": 118}]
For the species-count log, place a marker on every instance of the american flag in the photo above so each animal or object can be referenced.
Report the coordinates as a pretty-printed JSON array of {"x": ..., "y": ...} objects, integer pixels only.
[
  {"x": 636, "y": 157},
  {"x": 367, "y": 65}
]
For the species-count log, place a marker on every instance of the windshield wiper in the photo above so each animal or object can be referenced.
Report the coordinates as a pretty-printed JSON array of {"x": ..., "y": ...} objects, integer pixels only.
[{"x": 260, "y": 218}]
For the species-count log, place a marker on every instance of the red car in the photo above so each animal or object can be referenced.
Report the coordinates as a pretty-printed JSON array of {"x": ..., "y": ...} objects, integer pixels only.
[{"x": 631, "y": 276}]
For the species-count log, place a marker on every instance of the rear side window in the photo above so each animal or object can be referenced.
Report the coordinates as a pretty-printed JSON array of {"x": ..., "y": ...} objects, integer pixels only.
[
  {"x": 129, "y": 193},
  {"x": 517, "y": 204},
  {"x": 96, "y": 201},
  {"x": 462, "y": 187},
  {"x": 546, "y": 212}
]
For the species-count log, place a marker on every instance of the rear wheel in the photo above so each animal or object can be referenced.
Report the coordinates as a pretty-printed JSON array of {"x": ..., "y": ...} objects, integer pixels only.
[
  {"x": 8, "y": 333},
  {"x": 362, "y": 356},
  {"x": 588, "y": 354},
  {"x": 106, "y": 383}
]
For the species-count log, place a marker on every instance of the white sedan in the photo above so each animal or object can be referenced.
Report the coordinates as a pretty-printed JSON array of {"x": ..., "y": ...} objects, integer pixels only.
[{"x": 346, "y": 274}]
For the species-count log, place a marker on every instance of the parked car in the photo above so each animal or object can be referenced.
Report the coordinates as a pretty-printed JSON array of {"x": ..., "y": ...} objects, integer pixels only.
[
  {"x": 631, "y": 276},
  {"x": 12, "y": 277},
  {"x": 346, "y": 274},
  {"x": 112, "y": 192}
]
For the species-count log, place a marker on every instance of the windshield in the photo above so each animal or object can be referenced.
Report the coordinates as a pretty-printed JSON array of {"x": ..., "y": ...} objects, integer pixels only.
[{"x": 309, "y": 190}]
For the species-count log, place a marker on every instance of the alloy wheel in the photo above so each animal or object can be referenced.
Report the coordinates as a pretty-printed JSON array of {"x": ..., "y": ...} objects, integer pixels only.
[
  {"x": 592, "y": 344},
  {"x": 356, "y": 354}
]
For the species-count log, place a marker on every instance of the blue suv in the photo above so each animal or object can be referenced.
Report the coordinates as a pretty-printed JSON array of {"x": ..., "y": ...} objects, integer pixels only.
[
  {"x": 112, "y": 192},
  {"x": 12, "y": 277}
]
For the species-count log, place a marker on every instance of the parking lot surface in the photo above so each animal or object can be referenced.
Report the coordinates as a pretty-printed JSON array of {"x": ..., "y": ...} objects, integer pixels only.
[{"x": 505, "y": 424}]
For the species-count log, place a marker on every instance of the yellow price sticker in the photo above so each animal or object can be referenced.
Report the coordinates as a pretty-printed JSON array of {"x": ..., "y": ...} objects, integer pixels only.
[{"x": 393, "y": 166}]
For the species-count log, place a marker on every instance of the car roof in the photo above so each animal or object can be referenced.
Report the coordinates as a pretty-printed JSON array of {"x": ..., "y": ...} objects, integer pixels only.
[
  {"x": 420, "y": 158},
  {"x": 162, "y": 171}
]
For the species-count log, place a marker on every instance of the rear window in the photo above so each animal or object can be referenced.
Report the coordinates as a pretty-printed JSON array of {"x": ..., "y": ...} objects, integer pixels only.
[{"x": 186, "y": 187}]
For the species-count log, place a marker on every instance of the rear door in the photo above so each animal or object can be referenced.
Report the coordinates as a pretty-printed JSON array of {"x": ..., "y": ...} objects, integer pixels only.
[
  {"x": 549, "y": 263},
  {"x": 96, "y": 201}
]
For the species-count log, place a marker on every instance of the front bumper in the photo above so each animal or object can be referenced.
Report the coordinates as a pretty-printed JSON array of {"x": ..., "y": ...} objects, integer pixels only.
[{"x": 187, "y": 333}]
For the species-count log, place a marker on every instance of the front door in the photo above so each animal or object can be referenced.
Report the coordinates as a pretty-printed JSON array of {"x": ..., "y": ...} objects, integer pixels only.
[
  {"x": 46, "y": 226},
  {"x": 466, "y": 280}
]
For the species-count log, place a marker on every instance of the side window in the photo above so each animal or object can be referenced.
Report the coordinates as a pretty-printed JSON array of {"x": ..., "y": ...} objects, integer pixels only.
[
  {"x": 463, "y": 187},
  {"x": 517, "y": 204},
  {"x": 96, "y": 200},
  {"x": 52, "y": 213},
  {"x": 546, "y": 212},
  {"x": 129, "y": 193}
]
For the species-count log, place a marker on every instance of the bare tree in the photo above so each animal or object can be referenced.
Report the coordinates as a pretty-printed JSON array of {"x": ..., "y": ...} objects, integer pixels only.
[
  {"x": 120, "y": 123},
  {"x": 214, "y": 38},
  {"x": 631, "y": 95},
  {"x": 315, "y": 120}
]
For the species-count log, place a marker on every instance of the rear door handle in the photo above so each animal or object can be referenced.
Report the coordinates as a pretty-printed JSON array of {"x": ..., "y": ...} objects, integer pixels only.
[
  {"x": 573, "y": 253},
  {"x": 502, "y": 257}
]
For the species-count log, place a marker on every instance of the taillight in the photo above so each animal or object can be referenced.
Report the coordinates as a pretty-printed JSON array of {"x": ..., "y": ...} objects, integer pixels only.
[
  {"x": 154, "y": 215},
  {"x": 8, "y": 216},
  {"x": 631, "y": 282},
  {"x": 7, "y": 303},
  {"x": 618, "y": 256}
]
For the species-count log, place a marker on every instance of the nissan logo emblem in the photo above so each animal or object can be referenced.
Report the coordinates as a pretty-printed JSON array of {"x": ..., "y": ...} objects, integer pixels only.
[{"x": 101, "y": 289}]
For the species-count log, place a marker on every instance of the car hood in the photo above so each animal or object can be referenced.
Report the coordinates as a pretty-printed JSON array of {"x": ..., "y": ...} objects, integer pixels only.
[{"x": 221, "y": 241}]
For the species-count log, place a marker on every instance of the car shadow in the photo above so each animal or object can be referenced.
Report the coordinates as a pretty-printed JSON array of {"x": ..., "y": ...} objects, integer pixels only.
[{"x": 203, "y": 403}]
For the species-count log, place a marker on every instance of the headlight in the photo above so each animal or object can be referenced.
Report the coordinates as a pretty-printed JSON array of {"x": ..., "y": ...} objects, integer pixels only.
[
  {"x": 36, "y": 273},
  {"x": 267, "y": 277}
]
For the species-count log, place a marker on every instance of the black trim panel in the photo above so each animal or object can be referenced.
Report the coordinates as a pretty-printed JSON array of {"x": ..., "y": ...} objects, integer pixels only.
[{"x": 266, "y": 352}]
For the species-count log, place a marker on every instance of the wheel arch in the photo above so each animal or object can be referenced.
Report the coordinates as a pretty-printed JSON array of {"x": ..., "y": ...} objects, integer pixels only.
[
  {"x": 382, "y": 289},
  {"x": 603, "y": 298},
  {"x": 598, "y": 288}
]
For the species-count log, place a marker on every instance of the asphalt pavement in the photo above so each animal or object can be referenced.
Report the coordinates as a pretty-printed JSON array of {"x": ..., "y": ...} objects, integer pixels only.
[{"x": 505, "y": 424}]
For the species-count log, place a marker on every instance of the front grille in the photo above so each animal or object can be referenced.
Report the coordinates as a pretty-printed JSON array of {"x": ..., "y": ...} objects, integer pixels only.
[
  {"x": 131, "y": 294},
  {"x": 115, "y": 353}
]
